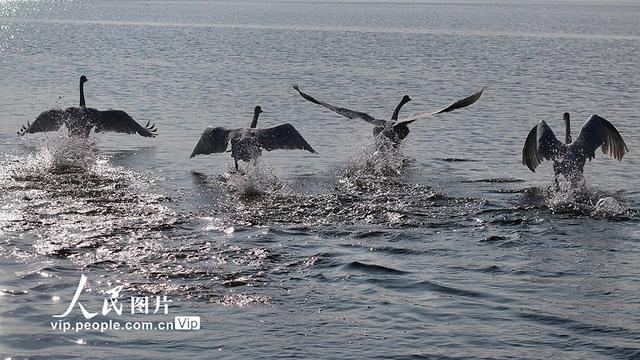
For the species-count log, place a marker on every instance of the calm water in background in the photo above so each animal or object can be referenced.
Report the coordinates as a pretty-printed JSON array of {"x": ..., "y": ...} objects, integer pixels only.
[{"x": 450, "y": 248}]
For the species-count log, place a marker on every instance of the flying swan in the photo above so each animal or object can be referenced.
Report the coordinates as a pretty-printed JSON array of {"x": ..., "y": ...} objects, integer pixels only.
[
  {"x": 247, "y": 143},
  {"x": 569, "y": 159},
  {"x": 80, "y": 120},
  {"x": 394, "y": 129}
]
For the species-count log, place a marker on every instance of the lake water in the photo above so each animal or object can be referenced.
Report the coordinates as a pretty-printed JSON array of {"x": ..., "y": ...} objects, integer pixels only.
[{"x": 449, "y": 248}]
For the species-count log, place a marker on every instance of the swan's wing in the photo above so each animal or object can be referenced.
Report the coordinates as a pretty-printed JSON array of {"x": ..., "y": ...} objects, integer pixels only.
[
  {"x": 456, "y": 105},
  {"x": 541, "y": 144},
  {"x": 120, "y": 122},
  {"x": 597, "y": 132},
  {"x": 351, "y": 114},
  {"x": 283, "y": 136},
  {"x": 50, "y": 120},
  {"x": 212, "y": 140}
]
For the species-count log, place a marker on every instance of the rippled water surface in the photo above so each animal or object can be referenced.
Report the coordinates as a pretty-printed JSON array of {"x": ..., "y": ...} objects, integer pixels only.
[{"x": 446, "y": 248}]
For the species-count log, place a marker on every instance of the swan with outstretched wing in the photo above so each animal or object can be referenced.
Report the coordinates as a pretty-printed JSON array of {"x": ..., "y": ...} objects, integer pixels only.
[
  {"x": 247, "y": 143},
  {"x": 569, "y": 158},
  {"x": 80, "y": 120},
  {"x": 394, "y": 129}
]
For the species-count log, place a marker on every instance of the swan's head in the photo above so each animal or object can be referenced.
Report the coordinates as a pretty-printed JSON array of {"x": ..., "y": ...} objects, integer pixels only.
[
  {"x": 565, "y": 116},
  {"x": 83, "y": 79},
  {"x": 257, "y": 110},
  {"x": 406, "y": 99}
]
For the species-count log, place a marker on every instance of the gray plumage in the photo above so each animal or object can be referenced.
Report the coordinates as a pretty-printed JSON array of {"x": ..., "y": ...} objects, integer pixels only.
[
  {"x": 247, "y": 143},
  {"x": 393, "y": 129},
  {"x": 81, "y": 120},
  {"x": 569, "y": 159}
]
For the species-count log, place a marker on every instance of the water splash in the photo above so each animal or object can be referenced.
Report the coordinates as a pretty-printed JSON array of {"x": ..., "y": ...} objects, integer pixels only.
[
  {"x": 69, "y": 199},
  {"x": 59, "y": 154},
  {"x": 253, "y": 181},
  {"x": 580, "y": 198},
  {"x": 567, "y": 196},
  {"x": 382, "y": 158},
  {"x": 610, "y": 207}
]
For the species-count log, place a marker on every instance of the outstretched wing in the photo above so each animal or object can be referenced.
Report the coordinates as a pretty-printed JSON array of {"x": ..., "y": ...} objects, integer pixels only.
[
  {"x": 541, "y": 144},
  {"x": 120, "y": 122},
  {"x": 351, "y": 114},
  {"x": 597, "y": 132},
  {"x": 456, "y": 105},
  {"x": 212, "y": 140},
  {"x": 50, "y": 120},
  {"x": 283, "y": 136}
]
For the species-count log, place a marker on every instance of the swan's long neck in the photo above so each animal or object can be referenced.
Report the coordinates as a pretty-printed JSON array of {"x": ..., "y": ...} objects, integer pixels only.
[
  {"x": 254, "y": 122},
  {"x": 397, "y": 110},
  {"x": 567, "y": 127},
  {"x": 82, "y": 103}
]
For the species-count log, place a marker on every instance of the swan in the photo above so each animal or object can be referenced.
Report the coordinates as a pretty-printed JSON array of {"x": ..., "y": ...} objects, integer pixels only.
[
  {"x": 378, "y": 129},
  {"x": 247, "y": 143},
  {"x": 80, "y": 120},
  {"x": 569, "y": 158},
  {"x": 394, "y": 129}
]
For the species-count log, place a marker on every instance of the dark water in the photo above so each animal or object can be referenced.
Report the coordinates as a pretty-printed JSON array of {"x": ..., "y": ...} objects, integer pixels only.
[{"x": 448, "y": 248}]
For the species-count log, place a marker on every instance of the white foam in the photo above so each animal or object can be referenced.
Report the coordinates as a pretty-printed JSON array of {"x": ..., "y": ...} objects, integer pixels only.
[
  {"x": 254, "y": 180},
  {"x": 609, "y": 206}
]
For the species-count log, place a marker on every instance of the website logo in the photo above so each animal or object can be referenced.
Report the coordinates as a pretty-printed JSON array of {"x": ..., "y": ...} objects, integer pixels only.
[{"x": 117, "y": 305}]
